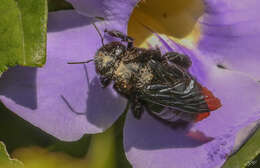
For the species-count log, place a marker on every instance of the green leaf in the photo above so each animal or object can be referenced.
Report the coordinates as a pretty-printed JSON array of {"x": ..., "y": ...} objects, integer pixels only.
[
  {"x": 254, "y": 163},
  {"x": 75, "y": 149},
  {"x": 101, "y": 153},
  {"x": 23, "y": 27},
  {"x": 54, "y": 5},
  {"x": 6, "y": 161},
  {"x": 244, "y": 158}
]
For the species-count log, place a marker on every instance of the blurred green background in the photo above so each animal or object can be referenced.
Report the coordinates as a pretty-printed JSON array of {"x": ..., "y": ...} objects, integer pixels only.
[{"x": 37, "y": 149}]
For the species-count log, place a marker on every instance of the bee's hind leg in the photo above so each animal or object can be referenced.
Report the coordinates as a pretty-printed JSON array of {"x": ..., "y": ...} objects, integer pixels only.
[
  {"x": 122, "y": 36},
  {"x": 137, "y": 107},
  {"x": 179, "y": 59}
]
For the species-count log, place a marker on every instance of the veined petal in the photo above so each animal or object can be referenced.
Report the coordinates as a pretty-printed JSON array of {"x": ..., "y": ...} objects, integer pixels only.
[
  {"x": 230, "y": 34},
  {"x": 110, "y": 10},
  {"x": 62, "y": 99},
  {"x": 165, "y": 147},
  {"x": 239, "y": 98}
]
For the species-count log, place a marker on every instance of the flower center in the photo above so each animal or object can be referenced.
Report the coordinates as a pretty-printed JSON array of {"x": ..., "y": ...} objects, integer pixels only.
[{"x": 177, "y": 19}]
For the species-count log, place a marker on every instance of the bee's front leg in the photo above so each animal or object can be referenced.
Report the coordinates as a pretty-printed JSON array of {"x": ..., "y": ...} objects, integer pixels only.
[
  {"x": 122, "y": 36},
  {"x": 105, "y": 81},
  {"x": 137, "y": 107}
]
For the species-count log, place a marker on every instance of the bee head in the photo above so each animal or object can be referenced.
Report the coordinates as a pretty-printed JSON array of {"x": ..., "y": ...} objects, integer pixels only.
[{"x": 107, "y": 56}]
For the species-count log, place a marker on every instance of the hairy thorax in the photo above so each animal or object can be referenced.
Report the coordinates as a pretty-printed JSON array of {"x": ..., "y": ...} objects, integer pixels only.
[
  {"x": 123, "y": 76},
  {"x": 132, "y": 76}
]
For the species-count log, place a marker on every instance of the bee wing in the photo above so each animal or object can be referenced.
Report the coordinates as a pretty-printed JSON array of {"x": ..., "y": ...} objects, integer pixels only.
[
  {"x": 189, "y": 100},
  {"x": 175, "y": 89}
]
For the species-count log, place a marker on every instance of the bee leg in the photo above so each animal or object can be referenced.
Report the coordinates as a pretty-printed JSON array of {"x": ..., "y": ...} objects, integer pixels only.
[
  {"x": 122, "y": 36},
  {"x": 105, "y": 81},
  {"x": 179, "y": 59},
  {"x": 157, "y": 56},
  {"x": 137, "y": 108}
]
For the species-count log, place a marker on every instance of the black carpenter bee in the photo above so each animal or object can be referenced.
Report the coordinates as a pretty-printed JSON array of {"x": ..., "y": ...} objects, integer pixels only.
[{"x": 148, "y": 79}]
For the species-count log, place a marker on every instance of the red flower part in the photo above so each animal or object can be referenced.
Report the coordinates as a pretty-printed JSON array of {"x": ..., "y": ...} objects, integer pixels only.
[{"x": 212, "y": 102}]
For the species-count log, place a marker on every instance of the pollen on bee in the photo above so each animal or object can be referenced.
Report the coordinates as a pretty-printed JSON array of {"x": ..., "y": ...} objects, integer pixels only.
[
  {"x": 121, "y": 69},
  {"x": 145, "y": 77},
  {"x": 107, "y": 59}
]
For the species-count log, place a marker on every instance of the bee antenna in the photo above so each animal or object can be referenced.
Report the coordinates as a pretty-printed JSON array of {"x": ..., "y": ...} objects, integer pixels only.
[
  {"x": 83, "y": 62},
  {"x": 102, "y": 39}
]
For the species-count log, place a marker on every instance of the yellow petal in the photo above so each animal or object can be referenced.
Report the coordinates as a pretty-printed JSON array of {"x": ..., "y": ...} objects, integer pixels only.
[{"x": 176, "y": 19}]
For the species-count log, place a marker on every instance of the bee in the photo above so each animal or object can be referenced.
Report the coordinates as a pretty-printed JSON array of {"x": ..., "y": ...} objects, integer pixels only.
[{"x": 161, "y": 84}]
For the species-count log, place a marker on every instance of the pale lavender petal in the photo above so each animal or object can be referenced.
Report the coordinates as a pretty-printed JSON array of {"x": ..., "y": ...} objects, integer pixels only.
[
  {"x": 244, "y": 134},
  {"x": 50, "y": 97},
  {"x": 230, "y": 32},
  {"x": 239, "y": 97},
  {"x": 110, "y": 10}
]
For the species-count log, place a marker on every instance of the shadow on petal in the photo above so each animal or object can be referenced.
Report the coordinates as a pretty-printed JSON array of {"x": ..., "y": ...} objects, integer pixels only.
[
  {"x": 26, "y": 76},
  {"x": 149, "y": 134},
  {"x": 61, "y": 20},
  {"x": 103, "y": 105}
]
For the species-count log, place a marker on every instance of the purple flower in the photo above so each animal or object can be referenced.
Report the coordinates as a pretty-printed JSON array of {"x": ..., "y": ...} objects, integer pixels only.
[{"x": 67, "y": 101}]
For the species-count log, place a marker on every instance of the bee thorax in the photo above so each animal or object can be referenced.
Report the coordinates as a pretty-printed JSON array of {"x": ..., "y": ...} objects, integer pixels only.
[{"x": 145, "y": 77}]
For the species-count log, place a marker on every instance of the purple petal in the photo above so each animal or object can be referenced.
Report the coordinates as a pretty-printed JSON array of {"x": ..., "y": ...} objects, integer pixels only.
[
  {"x": 205, "y": 144},
  {"x": 62, "y": 99},
  {"x": 166, "y": 147},
  {"x": 112, "y": 10},
  {"x": 230, "y": 34},
  {"x": 239, "y": 97}
]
